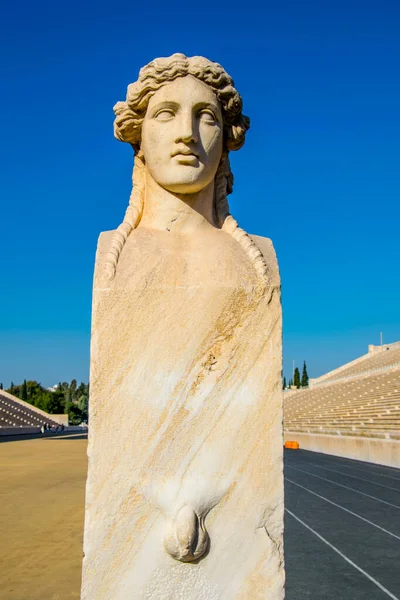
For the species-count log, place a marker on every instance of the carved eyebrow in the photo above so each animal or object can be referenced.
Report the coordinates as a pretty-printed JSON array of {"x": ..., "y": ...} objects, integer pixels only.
[
  {"x": 164, "y": 104},
  {"x": 211, "y": 105},
  {"x": 176, "y": 106}
]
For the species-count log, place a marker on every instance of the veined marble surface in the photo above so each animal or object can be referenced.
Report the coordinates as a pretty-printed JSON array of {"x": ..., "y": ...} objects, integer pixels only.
[{"x": 185, "y": 438}]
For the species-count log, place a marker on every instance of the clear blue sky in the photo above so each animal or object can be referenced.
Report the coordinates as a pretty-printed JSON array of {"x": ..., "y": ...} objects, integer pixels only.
[{"x": 319, "y": 174}]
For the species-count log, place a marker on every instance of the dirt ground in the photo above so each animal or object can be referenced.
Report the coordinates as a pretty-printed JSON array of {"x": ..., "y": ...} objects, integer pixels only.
[{"x": 42, "y": 492}]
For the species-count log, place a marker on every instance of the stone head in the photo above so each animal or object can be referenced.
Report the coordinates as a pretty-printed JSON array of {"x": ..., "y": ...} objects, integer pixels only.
[{"x": 182, "y": 117}]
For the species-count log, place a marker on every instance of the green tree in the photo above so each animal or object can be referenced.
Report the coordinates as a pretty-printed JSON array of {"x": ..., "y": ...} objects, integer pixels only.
[
  {"x": 42, "y": 400},
  {"x": 34, "y": 390},
  {"x": 56, "y": 402},
  {"x": 24, "y": 391},
  {"x": 72, "y": 388},
  {"x": 284, "y": 383},
  {"x": 67, "y": 397},
  {"x": 15, "y": 390},
  {"x": 296, "y": 378},
  {"x": 304, "y": 376},
  {"x": 82, "y": 389},
  {"x": 74, "y": 415},
  {"x": 68, "y": 406},
  {"x": 1, "y": 386},
  {"x": 83, "y": 405}
]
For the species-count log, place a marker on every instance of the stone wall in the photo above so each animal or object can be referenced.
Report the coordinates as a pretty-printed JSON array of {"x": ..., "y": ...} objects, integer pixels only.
[
  {"x": 19, "y": 430},
  {"x": 381, "y": 452}
]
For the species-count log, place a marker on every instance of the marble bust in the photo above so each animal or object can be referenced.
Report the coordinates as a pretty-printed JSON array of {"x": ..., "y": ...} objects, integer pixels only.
[{"x": 185, "y": 489}]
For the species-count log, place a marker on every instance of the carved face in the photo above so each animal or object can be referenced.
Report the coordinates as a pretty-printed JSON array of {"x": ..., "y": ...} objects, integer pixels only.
[{"x": 182, "y": 135}]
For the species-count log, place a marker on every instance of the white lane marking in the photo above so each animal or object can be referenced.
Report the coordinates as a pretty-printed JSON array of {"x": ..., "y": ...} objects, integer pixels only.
[
  {"x": 343, "y": 508},
  {"x": 362, "y": 463},
  {"x": 387, "y": 487},
  {"x": 346, "y": 558},
  {"x": 343, "y": 486},
  {"x": 342, "y": 466}
]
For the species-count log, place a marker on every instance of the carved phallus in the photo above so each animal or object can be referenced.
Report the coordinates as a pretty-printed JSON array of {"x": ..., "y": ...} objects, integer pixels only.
[{"x": 186, "y": 538}]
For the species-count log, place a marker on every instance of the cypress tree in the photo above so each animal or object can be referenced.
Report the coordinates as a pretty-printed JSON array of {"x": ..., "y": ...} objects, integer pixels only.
[
  {"x": 304, "y": 376},
  {"x": 24, "y": 391},
  {"x": 296, "y": 378},
  {"x": 72, "y": 388},
  {"x": 284, "y": 383},
  {"x": 1, "y": 386}
]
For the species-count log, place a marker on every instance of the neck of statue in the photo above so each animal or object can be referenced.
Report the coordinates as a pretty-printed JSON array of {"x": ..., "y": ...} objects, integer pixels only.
[{"x": 178, "y": 213}]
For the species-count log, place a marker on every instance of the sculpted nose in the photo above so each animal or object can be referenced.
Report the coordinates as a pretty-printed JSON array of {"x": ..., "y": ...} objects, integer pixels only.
[{"x": 185, "y": 130}]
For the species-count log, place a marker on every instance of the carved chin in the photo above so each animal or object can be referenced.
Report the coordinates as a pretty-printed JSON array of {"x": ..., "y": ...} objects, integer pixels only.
[
  {"x": 186, "y": 538},
  {"x": 190, "y": 181}
]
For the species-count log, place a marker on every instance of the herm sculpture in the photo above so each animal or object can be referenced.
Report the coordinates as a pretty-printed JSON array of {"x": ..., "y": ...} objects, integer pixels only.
[{"x": 184, "y": 495}]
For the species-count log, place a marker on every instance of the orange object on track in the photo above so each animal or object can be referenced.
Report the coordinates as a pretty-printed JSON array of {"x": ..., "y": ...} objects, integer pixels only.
[{"x": 292, "y": 445}]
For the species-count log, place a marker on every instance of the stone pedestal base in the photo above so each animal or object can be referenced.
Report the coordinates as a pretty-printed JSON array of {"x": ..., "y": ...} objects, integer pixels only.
[{"x": 185, "y": 484}]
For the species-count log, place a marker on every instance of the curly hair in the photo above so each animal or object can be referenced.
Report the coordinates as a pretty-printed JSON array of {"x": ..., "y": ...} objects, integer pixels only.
[{"x": 128, "y": 128}]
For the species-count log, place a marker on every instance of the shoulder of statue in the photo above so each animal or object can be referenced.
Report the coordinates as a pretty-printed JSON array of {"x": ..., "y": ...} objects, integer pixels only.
[
  {"x": 105, "y": 238},
  {"x": 104, "y": 242},
  {"x": 268, "y": 251},
  {"x": 103, "y": 246}
]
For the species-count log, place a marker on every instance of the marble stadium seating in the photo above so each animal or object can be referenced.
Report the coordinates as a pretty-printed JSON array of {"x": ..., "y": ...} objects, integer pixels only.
[
  {"x": 14, "y": 413},
  {"x": 362, "y": 399}
]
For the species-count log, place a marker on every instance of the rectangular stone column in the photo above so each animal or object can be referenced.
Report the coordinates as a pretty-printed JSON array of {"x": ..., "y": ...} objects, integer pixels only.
[{"x": 185, "y": 485}]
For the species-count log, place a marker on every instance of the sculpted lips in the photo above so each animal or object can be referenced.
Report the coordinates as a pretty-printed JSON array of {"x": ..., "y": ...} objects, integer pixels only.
[{"x": 184, "y": 151}]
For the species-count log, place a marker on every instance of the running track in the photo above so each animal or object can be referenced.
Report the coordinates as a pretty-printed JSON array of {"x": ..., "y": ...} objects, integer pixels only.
[{"x": 342, "y": 528}]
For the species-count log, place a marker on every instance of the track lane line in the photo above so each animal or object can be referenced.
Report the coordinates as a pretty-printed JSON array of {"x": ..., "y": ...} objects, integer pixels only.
[
  {"x": 343, "y": 508},
  {"x": 362, "y": 463},
  {"x": 354, "y": 477},
  {"x": 342, "y": 466},
  {"x": 346, "y": 558},
  {"x": 343, "y": 486}
]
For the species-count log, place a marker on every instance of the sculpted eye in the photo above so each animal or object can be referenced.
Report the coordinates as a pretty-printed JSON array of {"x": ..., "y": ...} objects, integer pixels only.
[
  {"x": 164, "y": 115},
  {"x": 207, "y": 116}
]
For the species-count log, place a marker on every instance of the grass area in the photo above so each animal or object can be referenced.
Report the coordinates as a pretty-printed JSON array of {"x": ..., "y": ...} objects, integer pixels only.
[{"x": 42, "y": 494}]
